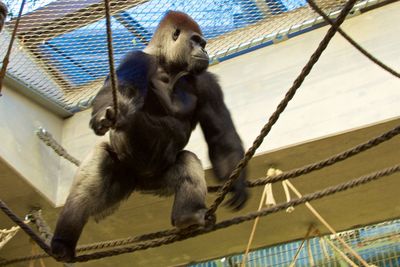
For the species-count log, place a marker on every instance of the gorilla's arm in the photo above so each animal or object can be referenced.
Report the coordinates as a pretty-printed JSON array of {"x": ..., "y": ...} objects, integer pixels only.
[
  {"x": 133, "y": 78},
  {"x": 224, "y": 144},
  {"x": 3, "y": 14}
]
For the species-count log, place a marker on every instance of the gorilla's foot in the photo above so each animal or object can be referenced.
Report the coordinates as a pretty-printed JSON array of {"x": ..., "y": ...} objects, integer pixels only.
[
  {"x": 62, "y": 250},
  {"x": 189, "y": 219}
]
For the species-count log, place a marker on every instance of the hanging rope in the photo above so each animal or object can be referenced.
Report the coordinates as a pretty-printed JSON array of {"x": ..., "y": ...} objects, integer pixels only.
[
  {"x": 49, "y": 140},
  {"x": 281, "y": 107},
  {"x": 352, "y": 42},
  {"x": 113, "y": 75},
  {"x": 173, "y": 235},
  {"x": 41, "y": 225},
  {"x": 6, "y": 59},
  {"x": 193, "y": 233},
  {"x": 43, "y": 229},
  {"x": 28, "y": 230}
]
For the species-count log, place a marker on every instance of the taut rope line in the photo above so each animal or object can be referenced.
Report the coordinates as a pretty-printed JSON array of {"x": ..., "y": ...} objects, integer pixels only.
[
  {"x": 113, "y": 75},
  {"x": 352, "y": 42},
  {"x": 223, "y": 224},
  {"x": 281, "y": 107}
]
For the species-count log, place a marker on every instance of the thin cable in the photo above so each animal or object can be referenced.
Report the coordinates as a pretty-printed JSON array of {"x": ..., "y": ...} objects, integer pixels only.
[
  {"x": 113, "y": 75},
  {"x": 352, "y": 42},
  {"x": 6, "y": 59}
]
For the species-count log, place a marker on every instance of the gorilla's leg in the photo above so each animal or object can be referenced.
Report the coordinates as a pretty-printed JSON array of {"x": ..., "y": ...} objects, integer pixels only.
[
  {"x": 98, "y": 188},
  {"x": 186, "y": 177}
]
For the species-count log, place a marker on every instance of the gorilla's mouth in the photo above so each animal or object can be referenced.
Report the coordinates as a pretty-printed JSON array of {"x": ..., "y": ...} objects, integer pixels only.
[{"x": 200, "y": 58}]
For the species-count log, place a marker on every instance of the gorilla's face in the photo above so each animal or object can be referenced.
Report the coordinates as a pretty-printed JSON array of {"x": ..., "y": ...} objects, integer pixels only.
[
  {"x": 197, "y": 58},
  {"x": 184, "y": 50},
  {"x": 179, "y": 44}
]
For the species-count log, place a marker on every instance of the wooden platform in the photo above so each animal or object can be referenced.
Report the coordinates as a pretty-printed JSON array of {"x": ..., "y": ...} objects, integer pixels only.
[{"x": 367, "y": 204}]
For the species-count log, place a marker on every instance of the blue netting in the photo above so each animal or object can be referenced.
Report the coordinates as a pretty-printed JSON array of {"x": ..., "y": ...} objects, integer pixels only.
[
  {"x": 73, "y": 53},
  {"x": 377, "y": 244}
]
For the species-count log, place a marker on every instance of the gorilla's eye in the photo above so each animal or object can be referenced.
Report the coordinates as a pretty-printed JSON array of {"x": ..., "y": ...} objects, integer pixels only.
[{"x": 176, "y": 34}]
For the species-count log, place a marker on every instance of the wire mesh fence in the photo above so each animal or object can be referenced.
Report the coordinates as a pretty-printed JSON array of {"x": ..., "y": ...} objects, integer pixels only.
[
  {"x": 61, "y": 48},
  {"x": 378, "y": 244}
]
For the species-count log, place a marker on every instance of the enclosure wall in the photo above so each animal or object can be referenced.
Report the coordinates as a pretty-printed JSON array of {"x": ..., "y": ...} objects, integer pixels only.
[
  {"x": 343, "y": 92},
  {"x": 20, "y": 118}
]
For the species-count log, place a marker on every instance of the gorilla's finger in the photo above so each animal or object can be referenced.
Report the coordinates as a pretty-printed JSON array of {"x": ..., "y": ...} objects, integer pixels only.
[
  {"x": 241, "y": 202},
  {"x": 232, "y": 202},
  {"x": 238, "y": 200}
]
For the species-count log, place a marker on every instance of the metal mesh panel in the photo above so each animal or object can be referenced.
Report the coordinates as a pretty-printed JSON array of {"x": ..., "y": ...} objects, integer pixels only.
[
  {"x": 61, "y": 50},
  {"x": 378, "y": 244}
]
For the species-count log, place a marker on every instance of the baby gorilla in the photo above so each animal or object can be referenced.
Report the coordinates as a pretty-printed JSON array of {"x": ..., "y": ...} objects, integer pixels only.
[{"x": 164, "y": 91}]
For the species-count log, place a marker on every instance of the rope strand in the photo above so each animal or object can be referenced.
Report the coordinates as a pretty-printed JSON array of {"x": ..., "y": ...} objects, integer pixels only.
[
  {"x": 173, "y": 235},
  {"x": 352, "y": 42},
  {"x": 113, "y": 75},
  {"x": 281, "y": 107},
  {"x": 223, "y": 224},
  {"x": 6, "y": 59}
]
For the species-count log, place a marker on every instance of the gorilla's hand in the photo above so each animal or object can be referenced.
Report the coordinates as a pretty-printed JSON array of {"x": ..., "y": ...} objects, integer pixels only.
[
  {"x": 3, "y": 14},
  {"x": 102, "y": 121},
  {"x": 239, "y": 194}
]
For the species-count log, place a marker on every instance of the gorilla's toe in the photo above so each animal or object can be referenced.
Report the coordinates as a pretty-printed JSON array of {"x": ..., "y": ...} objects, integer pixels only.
[
  {"x": 61, "y": 250},
  {"x": 186, "y": 220}
]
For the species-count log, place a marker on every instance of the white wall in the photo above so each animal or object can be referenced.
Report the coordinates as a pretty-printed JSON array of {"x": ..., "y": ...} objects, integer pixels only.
[
  {"x": 344, "y": 91},
  {"x": 21, "y": 148}
]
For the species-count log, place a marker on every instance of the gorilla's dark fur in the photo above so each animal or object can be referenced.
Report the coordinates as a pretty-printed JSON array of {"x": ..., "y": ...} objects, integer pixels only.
[{"x": 164, "y": 92}]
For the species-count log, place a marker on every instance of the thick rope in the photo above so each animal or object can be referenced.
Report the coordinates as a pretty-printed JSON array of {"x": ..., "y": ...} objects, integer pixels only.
[
  {"x": 41, "y": 225},
  {"x": 329, "y": 161},
  {"x": 6, "y": 59},
  {"x": 351, "y": 41},
  {"x": 28, "y": 230},
  {"x": 234, "y": 221},
  {"x": 113, "y": 75},
  {"x": 224, "y": 224},
  {"x": 44, "y": 229},
  {"x": 48, "y": 139},
  {"x": 262, "y": 181},
  {"x": 310, "y": 197},
  {"x": 281, "y": 107}
]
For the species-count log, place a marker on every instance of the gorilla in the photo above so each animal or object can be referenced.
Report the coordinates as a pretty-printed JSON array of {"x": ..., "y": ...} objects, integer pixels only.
[
  {"x": 163, "y": 92},
  {"x": 3, "y": 14}
]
